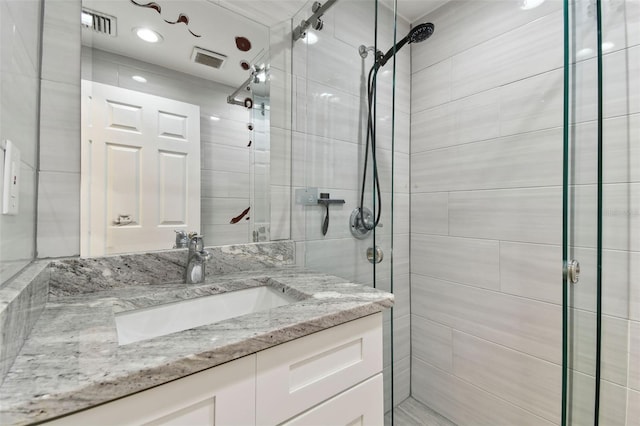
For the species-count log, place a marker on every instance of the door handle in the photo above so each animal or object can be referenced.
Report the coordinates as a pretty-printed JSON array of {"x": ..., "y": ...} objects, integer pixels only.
[
  {"x": 572, "y": 271},
  {"x": 123, "y": 219}
]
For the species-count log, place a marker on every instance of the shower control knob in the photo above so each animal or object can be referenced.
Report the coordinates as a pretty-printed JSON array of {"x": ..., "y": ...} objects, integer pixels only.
[{"x": 573, "y": 271}]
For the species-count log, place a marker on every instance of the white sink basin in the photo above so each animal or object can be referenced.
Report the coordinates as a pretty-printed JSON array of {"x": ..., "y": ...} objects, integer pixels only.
[{"x": 143, "y": 324}]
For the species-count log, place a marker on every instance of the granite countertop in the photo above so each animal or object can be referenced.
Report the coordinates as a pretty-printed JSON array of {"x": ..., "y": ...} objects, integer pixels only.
[{"x": 72, "y": 360}]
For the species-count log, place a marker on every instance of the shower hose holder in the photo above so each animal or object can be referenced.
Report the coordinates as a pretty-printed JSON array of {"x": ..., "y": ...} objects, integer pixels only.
[{"x": 325, "y": 201}]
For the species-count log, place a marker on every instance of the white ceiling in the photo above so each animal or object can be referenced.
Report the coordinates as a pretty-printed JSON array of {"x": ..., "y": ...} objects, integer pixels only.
[
  {"x": 412, "y": 10},
  {"x": 218, "y": 22},
  {"x": 217, "y": 26}
]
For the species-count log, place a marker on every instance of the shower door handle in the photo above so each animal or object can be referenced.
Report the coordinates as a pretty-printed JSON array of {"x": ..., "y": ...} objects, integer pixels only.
[{"x": 572, "y": 271}]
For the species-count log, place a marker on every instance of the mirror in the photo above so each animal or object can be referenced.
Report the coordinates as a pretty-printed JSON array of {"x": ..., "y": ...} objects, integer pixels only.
[{"x": 162, "y": 149}]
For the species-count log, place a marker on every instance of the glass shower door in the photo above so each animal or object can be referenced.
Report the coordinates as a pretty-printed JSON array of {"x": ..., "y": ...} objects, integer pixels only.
[
  {"x": 601, "y": 211},
  {"x": 330, "y": 69},
  {"x": 582, "y": 213}
]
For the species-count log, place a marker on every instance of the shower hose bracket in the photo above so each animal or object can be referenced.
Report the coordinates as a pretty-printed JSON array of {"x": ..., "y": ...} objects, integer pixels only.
[{"x": 325, "y": 201}]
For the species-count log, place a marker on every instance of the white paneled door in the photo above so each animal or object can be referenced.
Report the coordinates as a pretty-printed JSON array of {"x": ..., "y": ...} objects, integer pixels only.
[{"x": 140, "y": 170}]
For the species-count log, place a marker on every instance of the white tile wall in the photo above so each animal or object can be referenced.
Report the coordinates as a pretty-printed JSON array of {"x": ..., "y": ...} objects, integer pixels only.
[
  {"x": 512, "y": 161},
  {"x": 20, "y": 28},
  {"x": 58, "y": 214},
  {"x": 633, "y": 408},
  {"x": 527, "y": 215},
  {"x": 531, "y": 271},
  {"x": 533, "y": 48},
  {"x": 221, "y": 184},
  {"x": 486, "y": 168},
  {"x": 613, "y": 404},
  {"x": 523, "y": 380},
  {"x": 634, "y": 355},
  {"x": 464, "y": 403},
  {"x": 59, "y": 128},
  {"x": 432, "y": 342},
  {"x": 462, "y": 25},
  {"x": 615, "y": 332},
  {"x": 225, "y": 234},
  {"x": 19, "y": 50},
  {"x": 431, "y": 86},
  {"x": 19, "y": 114},
  {"x": 532, "y": 104},
  {"x": 59, "y": 178},
  {"x": 490, "y": 315},
  {"x": 61, "y": 42},
  {"x": 430, "y": 213},
  {"x": 463, "y": 260}
]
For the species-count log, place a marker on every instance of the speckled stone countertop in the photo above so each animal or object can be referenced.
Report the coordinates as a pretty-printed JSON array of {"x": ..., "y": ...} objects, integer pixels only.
[{"x": 72, "y": 360}]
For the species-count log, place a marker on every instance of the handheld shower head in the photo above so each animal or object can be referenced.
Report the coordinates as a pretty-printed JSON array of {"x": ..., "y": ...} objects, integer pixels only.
[
  {"x": 421, "y": 32},
  {"x": 416, "y": 35}
]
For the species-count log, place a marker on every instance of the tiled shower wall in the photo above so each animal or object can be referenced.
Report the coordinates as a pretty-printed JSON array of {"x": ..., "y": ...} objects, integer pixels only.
[
  {"x": 59, "y": 176},
  {"x": 328, "y": 139},
  {"x": 20, "y": 23},
  {"x": 486, "y": 216}
]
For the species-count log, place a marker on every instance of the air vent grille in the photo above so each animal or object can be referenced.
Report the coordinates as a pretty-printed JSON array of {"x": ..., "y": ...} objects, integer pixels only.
[
  {"x": 208, "y": 58},
  {"x": 99, "y": 22}
]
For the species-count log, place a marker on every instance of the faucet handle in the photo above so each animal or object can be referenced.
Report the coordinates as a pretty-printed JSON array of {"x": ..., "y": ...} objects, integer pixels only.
[
  {"x": 203, "y": 255},
  {"x": 196, "y": 242},
  {"x": 181, "y": 239}
]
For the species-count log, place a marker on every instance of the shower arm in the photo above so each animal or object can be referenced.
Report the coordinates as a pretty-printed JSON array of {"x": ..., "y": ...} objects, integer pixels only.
[{"x": 299, "y": 31}]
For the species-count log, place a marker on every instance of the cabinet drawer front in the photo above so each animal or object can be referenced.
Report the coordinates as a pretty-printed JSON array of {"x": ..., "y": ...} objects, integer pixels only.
[
  {"x": 362, "y": 405},
  {"x": 300, "y": 374},
  {"x": 222, "y": 395}
]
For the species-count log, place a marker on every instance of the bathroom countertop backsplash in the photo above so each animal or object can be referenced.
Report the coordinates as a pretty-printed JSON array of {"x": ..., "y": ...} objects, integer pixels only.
[
  {"x": 72, "y": 359},
  {"x": 79, "y": 276}
]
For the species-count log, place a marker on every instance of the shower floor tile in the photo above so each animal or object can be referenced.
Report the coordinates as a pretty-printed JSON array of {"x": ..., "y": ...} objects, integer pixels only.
[{"x": 414, "y": 413}]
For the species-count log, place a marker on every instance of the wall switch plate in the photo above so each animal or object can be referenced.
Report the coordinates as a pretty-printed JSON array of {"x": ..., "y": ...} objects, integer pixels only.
[
  {"x": 307, "y": 196},
  {"x": 11, "y": 187}
]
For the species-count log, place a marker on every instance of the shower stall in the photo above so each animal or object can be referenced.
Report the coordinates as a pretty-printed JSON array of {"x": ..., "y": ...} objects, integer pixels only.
[{"x": 505, "y": 171}]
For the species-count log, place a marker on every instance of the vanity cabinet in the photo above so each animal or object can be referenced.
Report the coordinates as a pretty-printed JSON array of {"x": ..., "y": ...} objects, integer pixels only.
[
  {"x": 296, "y": 376},
  {"x": 332, "y": 377},
  {"x": 218, "y": 396}
]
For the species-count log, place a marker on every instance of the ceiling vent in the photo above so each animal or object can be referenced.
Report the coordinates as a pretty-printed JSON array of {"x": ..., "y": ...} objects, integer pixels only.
[
  {"x": 208, "y": 58},
  {"x": 99, "y": 22}
]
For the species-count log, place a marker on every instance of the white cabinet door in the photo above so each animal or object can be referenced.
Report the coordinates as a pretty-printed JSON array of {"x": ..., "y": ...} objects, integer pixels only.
[
  {"x": 362, "y": 405},
  {"x": 224, "y": 395},
  {"x": 298, "y": 375},
  {"x": 140, "y": 170}
]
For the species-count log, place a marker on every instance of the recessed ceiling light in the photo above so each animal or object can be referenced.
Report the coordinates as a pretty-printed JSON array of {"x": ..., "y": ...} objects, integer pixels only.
[
  {"x": 147, "y": 35},
  {"x": 310, "y": 38},
  {"x": 139, "y": 79},
  {"x": 530, "y": 4},
  {"x": 214, "y": 118}
]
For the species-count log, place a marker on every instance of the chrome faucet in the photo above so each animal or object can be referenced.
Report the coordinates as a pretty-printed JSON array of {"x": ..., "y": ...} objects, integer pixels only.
[
  {"x": 182, "y": 239},
  {"x": 196, "y": 260}
]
